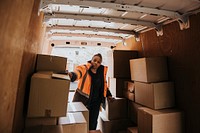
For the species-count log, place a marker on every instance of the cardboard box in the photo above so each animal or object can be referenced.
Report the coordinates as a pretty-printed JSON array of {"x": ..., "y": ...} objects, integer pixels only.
[
  {"x": 132, "y": 130},
  {"x": 155, "y": 95},
  {"x": 159, "y": 121},
  {"x": 30, "y": 122},
  {"x": 116, "y": 109},
  {"x": 129, "y": 95},
  {"x": 131, "y": 86},
  {"x": 112, "y": 126},
  {"x": 121, "y": 66},
  {"x": 116, "y": 86},
  {"x": 50, "y": 63},
  {"x": 48, "y": 97},
  {"x": 79, "y": 107},
  {"x": 133, "y": 111},
  {"x": 73, "y": 123},
  {"x": 152, "y": 69},
  {"x": 118, "y": 63},
  {"x": 44, "y": 129}
]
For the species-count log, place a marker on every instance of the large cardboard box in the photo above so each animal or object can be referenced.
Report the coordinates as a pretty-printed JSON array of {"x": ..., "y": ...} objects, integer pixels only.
[
  {"x": 116, "y": 86},
  {"x": 48, "y": 96},
  {"x": 121, "y": 66},
  {"x": 112, "y": 126},
  {"x": 50, "y": 63},
  {"x": 160, "y": 121},
  {"x": 79, "y": 107},
  {"x": 155, "y": 95},
  {"x": 133, "y": 111},
  {"x": 44, "y": 129},
  {"x": 30, "y": 122},
  {"x": 152, "y": 69},
  {"x": 73, "y": 123},
  {"x": 116, "y": 109}
]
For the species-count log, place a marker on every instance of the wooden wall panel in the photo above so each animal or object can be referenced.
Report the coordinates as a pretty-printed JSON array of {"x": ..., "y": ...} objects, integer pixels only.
[
  {"x": 19, "y": 46},
  {"x": 131, "y": 44},
  {"x": 33, "y": 46},
  {"x": 182, "y": 47}
]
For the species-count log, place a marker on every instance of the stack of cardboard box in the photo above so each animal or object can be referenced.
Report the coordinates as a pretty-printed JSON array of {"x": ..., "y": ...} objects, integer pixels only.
[
  {"x": 155, "y": 92},
  {"x": 48, "y": 96},
  {"x": 119, "y": 70},
  {"x": 48, "y": 99}
]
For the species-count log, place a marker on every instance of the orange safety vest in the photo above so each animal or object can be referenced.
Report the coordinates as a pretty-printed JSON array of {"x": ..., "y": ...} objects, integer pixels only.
[{"x": 84, "y": 79}]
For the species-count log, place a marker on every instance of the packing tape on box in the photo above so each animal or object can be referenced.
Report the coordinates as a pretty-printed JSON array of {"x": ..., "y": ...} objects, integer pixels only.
[
  {"x": 73, "y": 107},
  {"x": 71, "y": 118}
]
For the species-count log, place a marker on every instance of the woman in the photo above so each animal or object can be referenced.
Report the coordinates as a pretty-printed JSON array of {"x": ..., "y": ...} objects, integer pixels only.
[{"x": 92, "y": 87}]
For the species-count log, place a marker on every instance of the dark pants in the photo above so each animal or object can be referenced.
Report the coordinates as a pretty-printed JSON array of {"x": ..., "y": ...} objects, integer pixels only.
[
  {"x": 93, "y": 114},
  {"x": 92, "y": 106}
]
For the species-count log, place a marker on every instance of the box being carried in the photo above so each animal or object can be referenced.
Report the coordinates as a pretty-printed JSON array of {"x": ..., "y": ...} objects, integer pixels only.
[
  {"x": 50, "y": 63},
  {"x": 48, "y": 96}
]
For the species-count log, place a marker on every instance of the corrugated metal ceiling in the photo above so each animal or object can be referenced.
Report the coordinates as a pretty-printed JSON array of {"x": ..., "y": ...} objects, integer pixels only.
[{"x": 113, "y": 19}]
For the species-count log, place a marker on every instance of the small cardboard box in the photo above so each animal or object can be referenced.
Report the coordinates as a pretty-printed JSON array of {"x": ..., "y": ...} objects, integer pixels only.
[
  {"x": 129, "y": 86},
  {"x": 30, "y": 122},
  {"x": 155, "y": 95},
  {"x": 112, "y": 126},
  {"x": 48, "y": 96},
  {"x": 116, "y": 109},
  {"x": 129, "y": 95},
  {"x": 79, "y": 107},
  {"x": 160, "y": 121},
  {"x": 50, "y": 63},
  {"x": 73, "y": 123},
  {"x": 152, "y": 69},
  {"x": 132, "y": 130},
  {"x": 44, "y": 129}
]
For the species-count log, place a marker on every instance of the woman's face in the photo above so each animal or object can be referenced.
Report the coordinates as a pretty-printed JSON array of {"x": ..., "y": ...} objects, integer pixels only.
[{"x": 96, "y": 62}]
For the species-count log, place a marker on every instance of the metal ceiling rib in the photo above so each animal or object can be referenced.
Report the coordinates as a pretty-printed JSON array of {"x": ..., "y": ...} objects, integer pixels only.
[
  {"x": 99, "y": 18},
  {"x": 115, "y": 6},
  {"x": 90, "y": 29},
  {"x": 116, "y": 16}
]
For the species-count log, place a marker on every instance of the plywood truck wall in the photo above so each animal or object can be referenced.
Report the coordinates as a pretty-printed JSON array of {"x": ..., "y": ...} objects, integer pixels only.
[{"x": 20, "y": 35}]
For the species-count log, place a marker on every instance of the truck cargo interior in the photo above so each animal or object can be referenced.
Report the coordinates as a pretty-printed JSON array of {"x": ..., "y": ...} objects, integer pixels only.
[{"x": 151, "y": 48}]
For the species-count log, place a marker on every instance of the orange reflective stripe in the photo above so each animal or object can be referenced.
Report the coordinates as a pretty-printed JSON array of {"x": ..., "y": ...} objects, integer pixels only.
[
  {"x": 84, "y": 78},
  {"x": 80, "y": 73}
]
